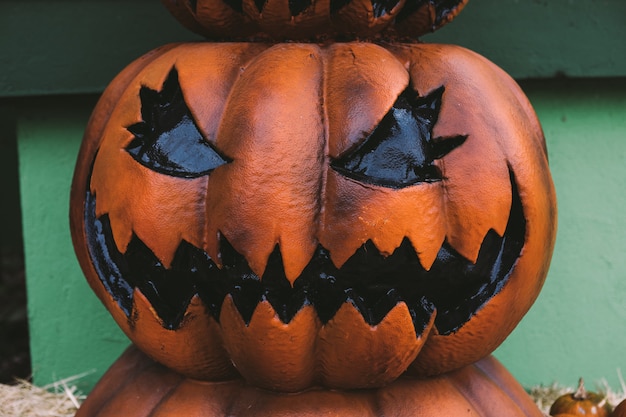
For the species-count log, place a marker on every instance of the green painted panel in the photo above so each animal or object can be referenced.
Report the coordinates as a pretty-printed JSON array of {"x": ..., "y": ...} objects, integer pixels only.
[
  {"x": 70, "y": 331},
  {"x": 57, "y": 47},
  {"x": 544, "y": 38},
  {"x": 576, "y": 328},
  {"x": 68, "y": 46}
]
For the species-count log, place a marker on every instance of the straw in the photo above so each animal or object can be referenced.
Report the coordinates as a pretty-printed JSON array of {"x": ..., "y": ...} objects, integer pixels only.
[
  {"x": 62, "y": 398},
  {"x": 23, "y": 399}
]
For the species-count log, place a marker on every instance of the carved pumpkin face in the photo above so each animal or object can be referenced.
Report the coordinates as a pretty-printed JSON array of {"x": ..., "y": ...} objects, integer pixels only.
[
  {"x": 314, "y": 215},
  {"x": 302, "y": 19}
]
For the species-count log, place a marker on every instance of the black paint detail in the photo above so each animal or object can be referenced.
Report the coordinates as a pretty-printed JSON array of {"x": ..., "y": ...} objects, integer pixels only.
[
  {"x": 194, "y": 5},
  {"x": 167, "y": 140},
  {"x": 336, "y": 5},
  {"x": 454, "y": 287},
  {"x": 260, "y": 4},
  {"x": 484, "y": 279},
  {"x": 400, "y": 152},
  {"x": 383, "y": 7},
  {"x": 443, "y": 8},
  {"x": 296, "y": 7},
  {"x": 108, "y": 262},
  {"x": 236, "y": 5}
]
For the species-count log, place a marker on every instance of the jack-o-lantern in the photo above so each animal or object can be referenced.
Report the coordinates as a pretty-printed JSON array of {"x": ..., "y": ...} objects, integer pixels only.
[
  {"x": 483, "y": 389},
  {"x": 303, "y": 19},
  {"x": 314, "y": 215}
]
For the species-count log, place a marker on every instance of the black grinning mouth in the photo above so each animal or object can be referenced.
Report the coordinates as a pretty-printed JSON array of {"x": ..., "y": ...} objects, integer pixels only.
[{"x": 454, "y": 288}]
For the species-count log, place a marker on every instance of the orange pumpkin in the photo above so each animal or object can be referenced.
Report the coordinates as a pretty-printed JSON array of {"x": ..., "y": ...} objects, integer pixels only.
[
  {"x": 483, "y": 389},
  {"x": 581, "y": 403},
  {"x": 302, "y": 19},
  {"x": 314, "y": 215}
]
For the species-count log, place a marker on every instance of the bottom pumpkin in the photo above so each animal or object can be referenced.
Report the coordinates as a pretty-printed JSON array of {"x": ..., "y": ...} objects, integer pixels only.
[{"x": 137, "y": 386}]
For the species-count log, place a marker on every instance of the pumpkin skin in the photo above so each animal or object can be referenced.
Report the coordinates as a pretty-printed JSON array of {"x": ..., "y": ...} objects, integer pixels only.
[
  {"x": 286, "y": 122},
  {"x": 581, "y": 403},
  {"x": 304, "y": 19},
  {"x": 142, "y": 387}
]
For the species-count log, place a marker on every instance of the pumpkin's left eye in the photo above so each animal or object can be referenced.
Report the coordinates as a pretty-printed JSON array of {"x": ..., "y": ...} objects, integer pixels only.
[
  {"x": 400, "y": 152},
  {"x": 168, "y": 140}
]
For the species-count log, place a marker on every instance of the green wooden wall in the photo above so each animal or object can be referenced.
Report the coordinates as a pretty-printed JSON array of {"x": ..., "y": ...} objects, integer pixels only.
[{"x": 570, "y": 56}]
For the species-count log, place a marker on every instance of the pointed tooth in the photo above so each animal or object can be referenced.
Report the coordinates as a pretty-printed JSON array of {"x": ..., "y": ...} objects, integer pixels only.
[
  {"x": 427, "y": 233},
  {"x": 428, "y": 256},
  {"x": 179, "y": 216},
  {"x": 132, "y": 193},
  {"x": 211, "y": 247},
  {"x": 474, "y": 207},
  {"x": 387, "y": 246},
  {"x": 181, "y": 349},
  {"x": 355, "y": 213},
  {"x": 121, "y": 229},
  {"x": 354, "y": 354},
  {"x": 268, "y": 352},
  {"x": 296, "y": 256}
]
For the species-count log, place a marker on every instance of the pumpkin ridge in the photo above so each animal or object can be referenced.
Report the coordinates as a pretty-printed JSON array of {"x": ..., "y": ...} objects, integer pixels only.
[
  {"x": 494, "y": 371},
  {"x": 106, "y": 392},
  {"x": 320, "y": 219},
  {"x": 238, "y": 191},
  {"x": 170, "y": 393},
  {"x": 480, "y": 392}
]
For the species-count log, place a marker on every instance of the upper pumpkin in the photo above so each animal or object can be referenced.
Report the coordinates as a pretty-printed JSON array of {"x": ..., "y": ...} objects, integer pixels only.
[
  {"x": 305, "y": 19},
  {"x": 314, "y": 214}
]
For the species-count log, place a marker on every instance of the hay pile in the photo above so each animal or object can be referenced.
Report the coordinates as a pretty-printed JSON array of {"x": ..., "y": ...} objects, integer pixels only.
[
  {"x": 24, "y": 399},
  {"x": 544, "y": 396},
  {"x": 62, "y": 399}
]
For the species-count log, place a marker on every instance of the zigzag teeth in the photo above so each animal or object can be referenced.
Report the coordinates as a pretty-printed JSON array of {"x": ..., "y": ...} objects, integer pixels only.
[{"x": 373, "y": 283}]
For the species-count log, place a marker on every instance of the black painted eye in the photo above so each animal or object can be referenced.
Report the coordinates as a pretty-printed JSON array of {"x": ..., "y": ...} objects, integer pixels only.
[
  {"x": 400, "y": 152},
  {"x": 168, "y": 140}
]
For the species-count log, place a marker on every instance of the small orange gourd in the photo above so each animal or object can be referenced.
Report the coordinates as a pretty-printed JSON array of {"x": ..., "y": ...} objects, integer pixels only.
[{"x": 581, "y": 403}]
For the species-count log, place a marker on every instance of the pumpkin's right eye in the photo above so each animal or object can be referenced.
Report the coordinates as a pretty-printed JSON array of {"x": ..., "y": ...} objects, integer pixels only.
[
  {"x": 168, "y": 140},
  {"x": 401, "y": 151}
]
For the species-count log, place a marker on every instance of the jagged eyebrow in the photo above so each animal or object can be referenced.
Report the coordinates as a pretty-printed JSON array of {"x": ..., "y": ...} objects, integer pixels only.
[
  {"x": 401, "y": 151},
  {"x": 168, "y": 139}
]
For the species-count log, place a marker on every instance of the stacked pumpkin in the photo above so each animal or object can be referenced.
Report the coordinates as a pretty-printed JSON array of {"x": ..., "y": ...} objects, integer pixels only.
[{"x": 316, "y": 227}]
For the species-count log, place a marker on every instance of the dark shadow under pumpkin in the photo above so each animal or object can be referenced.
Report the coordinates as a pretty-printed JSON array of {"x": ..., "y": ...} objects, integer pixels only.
[{"x": 453, "y": 288}]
